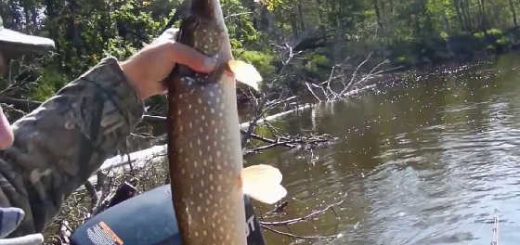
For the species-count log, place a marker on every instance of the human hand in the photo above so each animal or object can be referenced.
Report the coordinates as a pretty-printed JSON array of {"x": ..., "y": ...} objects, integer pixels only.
[
  {"x": 151, "y": 65},
  {"x": 6, "y": 132}
]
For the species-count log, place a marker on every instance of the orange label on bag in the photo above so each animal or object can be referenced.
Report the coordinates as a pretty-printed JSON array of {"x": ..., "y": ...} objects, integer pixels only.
[
  {"x": 102, "y": 234},
  {"x": 111, "y": 233}
]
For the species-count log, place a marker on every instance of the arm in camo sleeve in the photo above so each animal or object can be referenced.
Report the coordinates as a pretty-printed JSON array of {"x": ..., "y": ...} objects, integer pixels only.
[{"x": 60, "y": 144}]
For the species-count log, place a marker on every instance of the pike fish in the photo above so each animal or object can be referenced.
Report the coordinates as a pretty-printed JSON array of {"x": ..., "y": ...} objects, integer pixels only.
[{"x": 204, "y": 149}]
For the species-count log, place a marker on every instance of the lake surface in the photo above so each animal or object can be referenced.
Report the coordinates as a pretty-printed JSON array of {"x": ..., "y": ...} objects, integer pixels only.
[{"x": 431, "y": 160}]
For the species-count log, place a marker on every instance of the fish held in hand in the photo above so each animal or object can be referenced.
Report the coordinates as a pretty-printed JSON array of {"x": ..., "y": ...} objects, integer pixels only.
[{"x": 204, "y": 147}]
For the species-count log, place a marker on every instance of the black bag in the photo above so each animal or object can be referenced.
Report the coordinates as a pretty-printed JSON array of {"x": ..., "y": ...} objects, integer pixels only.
[{"x": 147, "y": 219}]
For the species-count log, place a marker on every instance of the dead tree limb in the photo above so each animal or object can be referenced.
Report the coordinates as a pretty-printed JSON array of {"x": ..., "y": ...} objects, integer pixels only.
[
  {"x": 356, "y": 71},
  {"x": 309, "y": 88},
  {"x": 22, "y": 104},
  {"x": 305, "y": 218},
  {"x": 259, "y": 138},
  {"x": 291, "y": 235},
  {"x": 237, "y": 14},
  {"x": 266, "y": 147},
  {"x": 336, "y": 86},
  {"x": 259, "y": 113}
]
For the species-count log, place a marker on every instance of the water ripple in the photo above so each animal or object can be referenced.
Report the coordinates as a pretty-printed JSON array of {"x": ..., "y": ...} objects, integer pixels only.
[{"x": 429, "y": 164}]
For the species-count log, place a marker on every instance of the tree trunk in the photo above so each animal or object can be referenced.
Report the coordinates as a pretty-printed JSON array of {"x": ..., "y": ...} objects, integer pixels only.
[
  {"x": 301, "y": 16},
  {"x": 460, "y": 15},
  {"x": 467, "y": 15},
  {"x": 513, "y": 11},
  {"x": 378, "y": 15},
  {"x": 482, "y": 16},
  {"x": 34, "y": 16},
  {"x": 447, "y": 25},
  {"x": 27, "y": 16}
]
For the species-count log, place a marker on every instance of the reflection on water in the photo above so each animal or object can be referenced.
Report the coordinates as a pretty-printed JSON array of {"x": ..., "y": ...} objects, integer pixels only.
[{"x": 429, "y": 162}]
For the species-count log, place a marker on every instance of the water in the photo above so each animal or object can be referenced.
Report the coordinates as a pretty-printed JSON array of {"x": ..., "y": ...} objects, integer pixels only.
[{"x": 431, "y": 161}]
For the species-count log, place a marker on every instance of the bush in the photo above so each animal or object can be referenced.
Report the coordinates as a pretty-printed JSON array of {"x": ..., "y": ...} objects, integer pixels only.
[{"x": 263, "y": 61}]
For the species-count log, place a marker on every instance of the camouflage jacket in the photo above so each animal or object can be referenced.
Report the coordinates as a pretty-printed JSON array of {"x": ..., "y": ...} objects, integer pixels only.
[{"x": 61, "y": 143}]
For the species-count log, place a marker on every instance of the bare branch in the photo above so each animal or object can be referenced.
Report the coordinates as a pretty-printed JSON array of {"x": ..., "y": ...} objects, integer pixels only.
[
  {"x": 305, "y": 218},
  {"x": 23, "y": 104},
  {"x": 309, "y": 88},
  {"x": 354, "y": 75},
  {"x": 237, "y": 14},
  {"x": 259, "y": 112},
  {"x": 291, "y": 235},
  {"x": 329, "y": 89}
]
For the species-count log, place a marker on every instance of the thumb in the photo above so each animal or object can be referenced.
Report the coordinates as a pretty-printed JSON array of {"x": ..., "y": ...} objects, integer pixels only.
[{"x": 185, "y": 55}]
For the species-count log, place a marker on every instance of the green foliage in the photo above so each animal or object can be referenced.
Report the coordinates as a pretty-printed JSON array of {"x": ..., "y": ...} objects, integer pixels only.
[
  {"x": 444, "y": 35},
  {"x": 495, "y": 32},
  {"x": 479, "y": 35},
  {"x": 85, "y": 32},
  {"x": 503, "y": 41},
  {"x": 262, "y": 61},
  {"x": 119, "y": 48},
  {"x": 326, "y": 31},
  {"x": 272, "y": 5},
  {"x": 317, "y": 64},
  {"x": 240, "y": 25},
  {"x": 51, "y": 80}
]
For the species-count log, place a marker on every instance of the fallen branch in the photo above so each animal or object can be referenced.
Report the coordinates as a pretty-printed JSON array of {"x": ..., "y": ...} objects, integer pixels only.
[
  {"x": 289, "y": 143},
  {"x": 354, "y": 75},
  {"x": 259, "y": 113},
  {"x": 291, "y": 235},
  {"x": 343, "y": 79},
  {"x": 266, "y": 147},
  {"x": 309, "y": 88},
  {"x": 282, "y": 141},
  {"x": 22, "y": 104},
  {"x": 304, "y": 218},
  {"x": 260, "y": 138},
  {"x": 268, "y": 225}
]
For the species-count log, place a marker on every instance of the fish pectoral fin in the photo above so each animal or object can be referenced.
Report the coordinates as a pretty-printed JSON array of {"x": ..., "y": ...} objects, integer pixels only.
[
  {"x": 262, "y": 183},
  {"x": 245, "y": 73},
  {"x": 256, "y": 174},
  {"x": 268, "y": 194}
]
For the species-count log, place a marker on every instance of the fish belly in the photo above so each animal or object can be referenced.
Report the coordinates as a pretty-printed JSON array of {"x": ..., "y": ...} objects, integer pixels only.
[{"x": 207, "y": 161}]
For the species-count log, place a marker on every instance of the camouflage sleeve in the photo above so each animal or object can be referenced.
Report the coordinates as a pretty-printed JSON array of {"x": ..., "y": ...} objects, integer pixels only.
[{"x": 61, "y": 143}]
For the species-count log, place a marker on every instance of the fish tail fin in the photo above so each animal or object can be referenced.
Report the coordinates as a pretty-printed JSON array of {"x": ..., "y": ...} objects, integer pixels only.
[
  {"x": 262, "y": 183},
  {"x": 245, "y": 73}
]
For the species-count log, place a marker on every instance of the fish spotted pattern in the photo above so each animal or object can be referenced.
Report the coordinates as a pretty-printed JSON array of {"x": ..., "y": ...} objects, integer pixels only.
[
  {"x": 208, "y": 163},
  {"x": 204, "y": 140}
]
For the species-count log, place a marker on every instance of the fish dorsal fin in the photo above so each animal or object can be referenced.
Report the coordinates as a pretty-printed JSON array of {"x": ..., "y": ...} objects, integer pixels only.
[
  {"x": 245, "y": 73},
  {"x": 262, "y": 183}
]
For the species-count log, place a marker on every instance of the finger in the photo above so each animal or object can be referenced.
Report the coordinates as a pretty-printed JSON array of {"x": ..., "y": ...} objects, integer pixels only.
[{"x": 190, "y": 57}]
